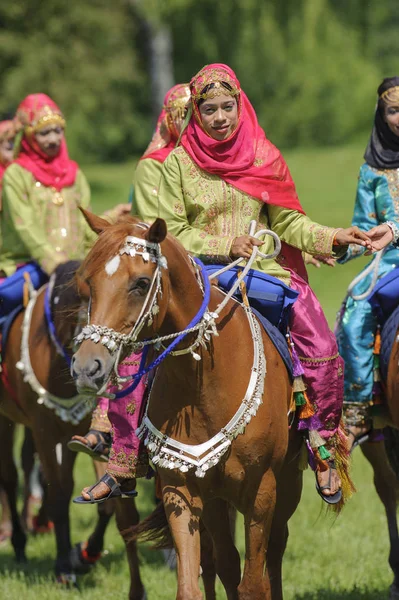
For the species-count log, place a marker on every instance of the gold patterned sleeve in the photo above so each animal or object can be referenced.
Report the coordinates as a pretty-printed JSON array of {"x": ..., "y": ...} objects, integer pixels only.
[
  {"x": 21, "y": 218},
  {"x": 179, "y": 211},
  {"x": 299, "y": 231},
  {"x": 146, "y": 184}
]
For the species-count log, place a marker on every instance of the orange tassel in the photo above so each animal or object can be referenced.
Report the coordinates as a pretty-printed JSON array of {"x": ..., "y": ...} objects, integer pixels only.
[
  {"x": 321, "y": 464},
  {"x": 377, "y": 342},
  {"x": 306, "y": 410}
]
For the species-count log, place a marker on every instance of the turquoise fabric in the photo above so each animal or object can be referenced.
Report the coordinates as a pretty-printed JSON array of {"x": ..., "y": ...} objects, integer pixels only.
[{"x": 377, "y": 201}]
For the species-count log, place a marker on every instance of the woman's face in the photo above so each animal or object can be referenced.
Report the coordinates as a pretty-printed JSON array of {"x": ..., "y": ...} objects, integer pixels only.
[
  {"x": 49, "y": 139},
  {"x": 219, "y": 116},
  {"x": 6, "y": 151},
  {"x": 391, "y": 117}
]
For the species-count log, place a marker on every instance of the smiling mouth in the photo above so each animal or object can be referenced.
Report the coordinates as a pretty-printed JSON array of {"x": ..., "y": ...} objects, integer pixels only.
[{"x": 221, "y": 129}]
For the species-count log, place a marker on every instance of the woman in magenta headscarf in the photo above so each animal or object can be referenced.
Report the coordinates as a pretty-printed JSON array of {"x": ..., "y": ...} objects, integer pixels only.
[
  {"x": 42, "y": 191},
  {"x": 225, "y": 174}
]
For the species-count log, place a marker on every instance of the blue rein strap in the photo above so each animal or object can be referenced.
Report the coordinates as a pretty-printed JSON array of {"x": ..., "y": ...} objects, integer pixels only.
[
  {"x": 144, "y": 370},
  {"x": 51, "y": 327}
]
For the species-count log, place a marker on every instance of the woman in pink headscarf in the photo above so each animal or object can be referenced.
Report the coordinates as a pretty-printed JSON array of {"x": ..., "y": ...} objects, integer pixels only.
[
  {"x": 225, "y": 174},
  {"x": 42, "y": 191}
]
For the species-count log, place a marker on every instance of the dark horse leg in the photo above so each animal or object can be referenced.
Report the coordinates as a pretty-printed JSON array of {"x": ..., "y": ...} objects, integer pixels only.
[
  {"x": 289, "y": 489},
  {"x": 9, "y": 482},
  {"x": 85, "y": 555},
  {"x": 216, "y": 516},
  {"x": 387, "y": 487},
  {"x": 57, "y": 462},
  {"x": 126, "y": 517},
  {"x": 27, "y": 462}
]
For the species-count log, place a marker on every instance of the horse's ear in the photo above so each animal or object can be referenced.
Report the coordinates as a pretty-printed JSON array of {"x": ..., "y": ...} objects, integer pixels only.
[
  {"x": 97, "y": 224},
  {"x": 157, "y": 232}
]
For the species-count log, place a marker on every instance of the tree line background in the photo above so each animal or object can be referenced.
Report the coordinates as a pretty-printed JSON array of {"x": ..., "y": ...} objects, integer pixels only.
[{"x": 310, "y": 67}]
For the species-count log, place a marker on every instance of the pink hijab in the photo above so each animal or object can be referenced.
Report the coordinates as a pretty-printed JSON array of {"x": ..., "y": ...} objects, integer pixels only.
[
  {"x": 166, "y": 133},
  {"x": 247, "y": 159},
  {"x": 33, "y": 113}
]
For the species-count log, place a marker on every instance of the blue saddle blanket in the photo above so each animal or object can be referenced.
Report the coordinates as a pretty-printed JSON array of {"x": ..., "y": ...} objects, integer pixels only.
[
  {"x": 385, "y": 296},
  {"x": 5, "y": 327},
  {"x": 12, "y": 288},
  {"x": 266, "y": 294},
  {"x": 278, "y": 340},
  {"x": 388, "y": 334}
]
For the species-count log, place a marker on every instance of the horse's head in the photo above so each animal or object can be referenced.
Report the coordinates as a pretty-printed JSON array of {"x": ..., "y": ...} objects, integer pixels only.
[{"x": 125, "y": 275}]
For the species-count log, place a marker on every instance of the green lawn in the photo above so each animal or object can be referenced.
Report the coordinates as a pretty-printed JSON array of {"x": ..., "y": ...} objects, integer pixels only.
[{"x": 327, "y": 558}]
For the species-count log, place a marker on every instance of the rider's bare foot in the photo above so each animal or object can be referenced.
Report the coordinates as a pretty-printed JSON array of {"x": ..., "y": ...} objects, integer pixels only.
[
  {"x": 323, "y": 478},
  {"x": 356, "y": 434},
  {"x": 95, "y": 443},
  {"x": 102, "y": 490}
]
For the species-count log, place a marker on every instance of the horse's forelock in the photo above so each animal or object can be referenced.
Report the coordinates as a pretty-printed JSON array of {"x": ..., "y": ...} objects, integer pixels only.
[{"x": 108, "y": 244}]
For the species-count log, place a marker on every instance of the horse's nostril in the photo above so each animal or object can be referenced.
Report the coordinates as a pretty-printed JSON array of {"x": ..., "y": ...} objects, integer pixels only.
[{"x": 96, "y": 368}]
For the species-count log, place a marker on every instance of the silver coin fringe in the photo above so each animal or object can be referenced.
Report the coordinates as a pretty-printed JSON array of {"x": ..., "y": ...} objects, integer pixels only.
[{"x": 167, "y": 453}]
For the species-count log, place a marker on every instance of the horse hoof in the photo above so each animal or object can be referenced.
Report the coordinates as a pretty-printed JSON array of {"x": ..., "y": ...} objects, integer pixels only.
[
  {"x": 394, "y": 592},
  {"x": 67, "y": 580},
  {"x": 38, "y": 529},
  {"x": 81, "y": 561}
]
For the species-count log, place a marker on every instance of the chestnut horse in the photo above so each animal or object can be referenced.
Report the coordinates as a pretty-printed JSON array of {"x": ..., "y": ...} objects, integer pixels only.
[
  {"x": 151, "y": 284},
  {"x": 48, "y": 350}
]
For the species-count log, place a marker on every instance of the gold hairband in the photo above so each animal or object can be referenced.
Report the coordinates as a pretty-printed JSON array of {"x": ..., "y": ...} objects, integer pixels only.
[
  {"x": 391, "y": 95},
  {"x": 49, "y": 119},
  {"x": 218, "y": 89}
]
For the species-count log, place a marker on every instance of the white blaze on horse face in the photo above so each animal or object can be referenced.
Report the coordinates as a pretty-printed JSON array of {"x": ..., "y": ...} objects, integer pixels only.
[{"x": 112, "y": 265}]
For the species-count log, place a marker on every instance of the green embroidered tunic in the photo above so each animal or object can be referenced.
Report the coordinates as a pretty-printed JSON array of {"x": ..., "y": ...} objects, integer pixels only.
[
  {"x": 146, "y": 183},
  {"x": 205, "y": 213},
  {"x": 38, "y": 223}
]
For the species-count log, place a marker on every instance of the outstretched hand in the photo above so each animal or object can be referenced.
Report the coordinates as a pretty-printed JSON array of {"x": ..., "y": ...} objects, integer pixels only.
[
  {"x": 353, "y": 235},
  {"x": 380, "y": 237}
]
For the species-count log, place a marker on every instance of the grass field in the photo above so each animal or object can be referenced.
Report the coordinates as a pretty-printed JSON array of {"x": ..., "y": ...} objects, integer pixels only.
[{"x": 327, "y": 558}]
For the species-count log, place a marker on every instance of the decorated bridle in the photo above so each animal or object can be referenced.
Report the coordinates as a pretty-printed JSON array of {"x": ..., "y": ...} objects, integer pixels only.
[
  {"x": 115, "y": 341},
  {"x": 204, "y": 322}
]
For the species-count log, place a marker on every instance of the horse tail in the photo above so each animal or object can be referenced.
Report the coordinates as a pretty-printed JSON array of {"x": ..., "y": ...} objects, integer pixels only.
[
  {"x": 153, "y": 529},
  {"x": 391, "y": 437}
]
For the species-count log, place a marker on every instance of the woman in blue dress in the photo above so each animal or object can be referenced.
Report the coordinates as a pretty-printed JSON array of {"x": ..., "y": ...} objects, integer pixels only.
[{"x": 376, "y": 208}]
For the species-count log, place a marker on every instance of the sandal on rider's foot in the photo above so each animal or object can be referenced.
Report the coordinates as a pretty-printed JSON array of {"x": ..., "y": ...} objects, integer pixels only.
[
  {"x": 99, "y": 451},
  {"x": 115, "y": 491},
  {"x": 360, "y": 438},
  {"x": 334, "y": 498}
]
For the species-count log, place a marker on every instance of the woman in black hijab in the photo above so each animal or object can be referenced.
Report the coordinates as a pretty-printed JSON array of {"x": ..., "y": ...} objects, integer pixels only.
[{"x": 376, "y": 209}]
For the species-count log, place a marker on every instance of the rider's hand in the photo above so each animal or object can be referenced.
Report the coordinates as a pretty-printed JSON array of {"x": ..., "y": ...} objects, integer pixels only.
[
  {"x": 118, "y": 211},
  {"x": 353, "y": 235},
  {"x": 242, "y": 246},
  {"x": 380, "y": 237}
]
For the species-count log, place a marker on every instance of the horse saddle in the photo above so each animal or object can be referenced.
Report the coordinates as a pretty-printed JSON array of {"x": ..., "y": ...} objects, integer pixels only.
[
  {"x": 12, "y": 288},
  {"x": 270, "y": 299},
  {"x": 385, "y": 296}
]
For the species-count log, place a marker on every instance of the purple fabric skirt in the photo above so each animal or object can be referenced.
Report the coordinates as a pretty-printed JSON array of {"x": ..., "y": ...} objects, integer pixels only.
[{"x": 317, "y": 349}]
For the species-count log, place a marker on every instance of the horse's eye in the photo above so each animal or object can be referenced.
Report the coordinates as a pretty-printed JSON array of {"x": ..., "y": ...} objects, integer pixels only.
[{"x": 141, "y": 286}]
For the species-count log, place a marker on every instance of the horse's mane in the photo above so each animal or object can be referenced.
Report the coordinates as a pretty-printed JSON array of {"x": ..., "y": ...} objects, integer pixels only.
[
  {"x": 65, "y": 288},
  {"x": 108, "y": 244}
]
